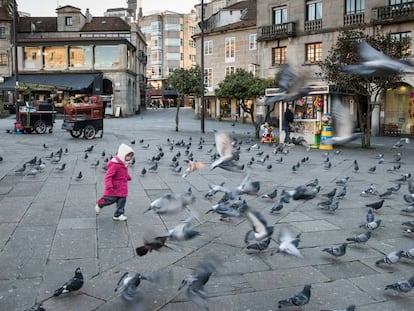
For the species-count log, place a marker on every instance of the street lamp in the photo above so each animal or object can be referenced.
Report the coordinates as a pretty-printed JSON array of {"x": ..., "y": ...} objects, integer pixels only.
[
  {"x": 16, "y": 65},
  {"x": 202, "y": 67}
]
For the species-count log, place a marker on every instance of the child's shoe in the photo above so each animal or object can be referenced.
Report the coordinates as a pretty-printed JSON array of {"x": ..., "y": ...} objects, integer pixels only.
[{"x": 120, "y": 218}]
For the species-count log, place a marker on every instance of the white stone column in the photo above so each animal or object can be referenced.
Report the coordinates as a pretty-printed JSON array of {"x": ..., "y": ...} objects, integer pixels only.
[
  {"x": 375, "y": 120},
  {"x": 218, "y": 112}
]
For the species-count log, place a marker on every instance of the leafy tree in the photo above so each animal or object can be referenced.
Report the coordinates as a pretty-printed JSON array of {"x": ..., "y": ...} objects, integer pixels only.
[
  {"x": 185, "y": 82},
  {"x": 345, "y": 52},
  {"x": 243, "y": 85}
]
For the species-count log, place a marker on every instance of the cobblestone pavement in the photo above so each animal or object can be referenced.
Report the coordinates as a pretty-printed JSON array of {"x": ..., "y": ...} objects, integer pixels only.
[{"x": 48, "y": 225}]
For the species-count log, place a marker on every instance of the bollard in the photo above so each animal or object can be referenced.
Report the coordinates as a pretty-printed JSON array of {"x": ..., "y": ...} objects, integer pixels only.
[{"x": 325, "y": 135}]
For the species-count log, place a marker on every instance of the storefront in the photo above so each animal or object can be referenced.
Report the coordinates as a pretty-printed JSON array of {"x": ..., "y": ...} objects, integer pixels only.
[{"x": 397, "y": 111}]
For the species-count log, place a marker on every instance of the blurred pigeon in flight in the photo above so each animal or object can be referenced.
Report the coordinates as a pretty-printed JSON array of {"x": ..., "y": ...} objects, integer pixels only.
[
  {"x": 193, "y": 166},
  {"x": 171, "y": 202},
  {"x": 376, "y": 63},
  {"x": 260, "y": 229},
  {"x": 287, "y": 243},
  {"x": 227, "y": 153},
  {"x": 402, "y": 286},
  {"x": 75, "y": 283},
  {"x": 300, "y": 299},
  {"x": 182, "y": 232},
  {"x": 150, "y": 244},
  {"x": 248, "y": 186},
  {"x": 344, "y": 125},
  {"x": 128, "y": 284}
]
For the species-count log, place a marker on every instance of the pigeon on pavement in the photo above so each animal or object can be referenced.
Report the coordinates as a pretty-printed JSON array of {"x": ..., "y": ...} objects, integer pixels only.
[
  {"x": 336, "y": 250},
  {"x": 128, "y": 284},
  {"x": 171, "y": 203},
  {"x": 74, "y": 284},
  {"x": 372, "y": 225},
  {"x": 402, "y": 286},
  {"x": 376, "y": 205},
  {"x": 391, "y": 258},
  {"x": 300, "y": 299},
  {"x": 151, "y": 244},
  {"x": 360, "y": 238}
]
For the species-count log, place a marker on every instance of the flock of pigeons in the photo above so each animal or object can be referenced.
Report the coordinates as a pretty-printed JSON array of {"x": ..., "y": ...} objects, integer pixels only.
[{"x": 233, "y": 204}]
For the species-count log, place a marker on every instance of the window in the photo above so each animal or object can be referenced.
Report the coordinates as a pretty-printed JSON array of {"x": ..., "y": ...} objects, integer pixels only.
[
  {"x": 354, "y": 6},
  {"x": 230, "y": 70},
  {"x": 156, "y": 71},
  {"x": 208, "y": 47},
  {"x": 313, "y": 11},
  {"x": 192, "y": 30},
  {"x": 191, "y": 43},
  {"x": 80, "y": 56},
  {"x": 156, "y": 27},
  {"x": 230, "y": 49},
  {"x": 405, "y": 39},
  {"x": 392, "y": 2},
  {"x": 107, "y": 56},
  {"x": 313, "y": 52},
  {"x": 172, "y": 42},
  {"x": 68, "y": 21},
  {"x": 55, "y": 57},
  {"x": 172, "y": 27},
  {"x": 279, "y": 55},
  {"x": 32, "y": 58},
  {"x": 3, "y": 60},
  {"x": 155, "y": 56},
  {"x": 253, "y": 69},
  {"x": 208, "y": 77},
  {"x": 2, "y": 32},
  {"x": 252, "y": 42},
  {"x": 173, "y": 56},
  {"x": 279, "y": 15}
]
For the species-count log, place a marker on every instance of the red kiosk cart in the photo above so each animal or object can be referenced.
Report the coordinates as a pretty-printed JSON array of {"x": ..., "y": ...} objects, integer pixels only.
[
  {"x": 84, "y": 118},
  {"x": 36, "y": 116}
]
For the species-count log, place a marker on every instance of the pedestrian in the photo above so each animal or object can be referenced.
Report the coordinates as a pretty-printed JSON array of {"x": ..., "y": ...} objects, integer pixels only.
[
  {"x": 287, "y": 120},
  {"x": 116, "y": 182}
]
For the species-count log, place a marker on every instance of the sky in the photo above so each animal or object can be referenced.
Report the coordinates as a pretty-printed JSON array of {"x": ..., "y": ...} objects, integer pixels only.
[{"x": 98, "y": 7}]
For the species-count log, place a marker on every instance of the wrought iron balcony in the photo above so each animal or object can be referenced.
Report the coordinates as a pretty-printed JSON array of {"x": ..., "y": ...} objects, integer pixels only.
[
  {"x": 354, "y": 19},
  {"x": 276, "y": 31},
  {"x": 394, "y": 13}
]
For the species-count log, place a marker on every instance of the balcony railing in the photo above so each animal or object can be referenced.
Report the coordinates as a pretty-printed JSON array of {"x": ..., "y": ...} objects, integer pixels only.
[
  {"x": 313, "y": 25},
  {"x": 354, "y": 19},
  {"x": 276, "y": 31},
  {"x": 393, "y": 13}
]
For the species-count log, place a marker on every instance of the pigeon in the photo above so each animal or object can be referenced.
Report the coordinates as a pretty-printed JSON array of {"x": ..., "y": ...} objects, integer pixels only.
[
  {"x": 32, "y": 161},
  {"x": 95, "y": 164},
  {"x": 260, "y": 229},
  {"x": 36, "y": 307},
  {"x": 313, "y": 183},
  {"x": 376, "y": 63},
  {"x": 408, "y": 254},
  {"x": 89, "y": 149},
  {"x": 408, "y": 209},
  {"x": 409, "y": 198},
  {"x": 226, "y": 210},
  {"x": 372, "y": 190},
  {"x": 132, "y": 142},
  {"x": 259, "y": 246},
  {"x": 74, "y": 284},
  {"x": 79, "y": 177},
  {"x": 182, "y": 232},
  {"x": 391, "y": 258},
  {"x": 370, "y": 216},
  {"x": 344, "y": 125},
  {"x": 171, "y": 203},
  {"x": 372, "y": 169},
  {"x": 61, "y": 167},
  {"x": 342, "y": 181},
  {"x": 360, "y": 238},
  {"x": 404, "y": 177},
  {"x": 85, "y": 156},
  {"x": 195, "y": 283},
  {"x": 394, "y": 188},
  {"x": 213, "y": 189},
  {"x": 385, "y": 194},
  {"x": 342, "y": 193},
  {"x": 292, "y": 86},
  {"x": 372, "y": 225},
  {"x": 227, "y": 153},
  {"x": 331, "y": 207},
  {"x": 270, "y": 195},
  {"x": 248, "y": 186},
  {"x": 300, "y": 193},
  {"x": 276, "y": 207},
  {"x": 33, "y": 172},
  {"x": 356, "y": 166},
  {"x": 402, "y": 286},
  {"x": 409, "y": 224},
  {"x": 336, "y": 250},
  {"x": 192, "y": 167},
  {"x": 128, "y": 284},
  {"x": 300, "y": 299},
  {"x": 287, "y": 243},
  {"x": 154, "y": 167},
  {"x": 330, "y": 194},
  {"x": 151, "y": 244},
  {"x": 376, "y": 205},
  {"x": 143, "y": 171}
]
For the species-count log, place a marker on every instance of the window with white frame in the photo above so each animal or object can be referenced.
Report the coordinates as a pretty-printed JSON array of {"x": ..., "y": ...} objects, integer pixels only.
[
  {"x": 191, "y": 43},
  {"x": 230, "y": 49},
  {"x": 253, "y": 41},
  {"x": 253, "y": 69},
  {"x": 313, "y": 52},
  {"x": 230, "y": 70},
  {"x": 208, "y": 47},
  {"x": 313, "y": 10},
  {"x": 208, "y": 77},
  {"x": 279, "y": 15},
  {"x": 68, "y": 21},
  {"x": 405, "y": 38},
  {"x": 279, "y": 55}
]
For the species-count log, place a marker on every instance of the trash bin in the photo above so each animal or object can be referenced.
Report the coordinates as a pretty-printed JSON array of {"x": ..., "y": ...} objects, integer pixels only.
[
  {"x": 325, "y": 135},
  {"x": 316, "y": 141}
]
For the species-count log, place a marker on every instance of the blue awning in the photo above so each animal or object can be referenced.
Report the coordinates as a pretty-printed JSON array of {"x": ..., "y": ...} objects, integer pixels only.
[{"x": 69, "y": 81}]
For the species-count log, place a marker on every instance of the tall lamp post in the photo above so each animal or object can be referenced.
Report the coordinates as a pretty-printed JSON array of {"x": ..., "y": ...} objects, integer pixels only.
[
  {"x": 202, "y": 68},
  {"x": 16, "y": 65}
]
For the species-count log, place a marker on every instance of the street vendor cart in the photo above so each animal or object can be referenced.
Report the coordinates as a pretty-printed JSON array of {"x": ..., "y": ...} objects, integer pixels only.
[
  {"x": 84, "y": 118},
  {"x": 36, "y": 116}
]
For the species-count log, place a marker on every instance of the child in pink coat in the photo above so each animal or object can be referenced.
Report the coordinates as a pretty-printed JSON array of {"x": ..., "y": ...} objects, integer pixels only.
[{"x": 116, "y": 182}]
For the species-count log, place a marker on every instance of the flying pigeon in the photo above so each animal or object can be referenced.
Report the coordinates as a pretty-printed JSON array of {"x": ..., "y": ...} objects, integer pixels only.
[
  {"x": 195, "y": 283},
  {"x": 300, "y": 299},
  {"x": 151, "y": 244},
  {"x": 287, "y": 243},
  {"x": 74, "y": 284},
  {"x": 336, "y": 250},
  {"x": 248, "y": 186},
  {"x": 402, "y": 286},
  {"x": 192, "y": 167},
  {"x": 171, "y": 202},
  {"x": 228, "y": 155},
  {"x": 182, "y": 232},
  {"x": 213, "y": 189},
  {"x": 128, "y": 284},
  {"x": 260, "y": 229}
]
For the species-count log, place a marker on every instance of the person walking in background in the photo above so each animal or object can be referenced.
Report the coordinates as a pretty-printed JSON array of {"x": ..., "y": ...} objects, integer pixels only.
[
  {"x": 287, "y": 120},
  {"x": 116, "y": 182}
]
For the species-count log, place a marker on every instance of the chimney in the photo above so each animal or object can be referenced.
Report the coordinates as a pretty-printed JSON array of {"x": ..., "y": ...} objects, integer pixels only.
[
  {"x": 140, "y": 9},
  {"x": 88, "y": 16}
]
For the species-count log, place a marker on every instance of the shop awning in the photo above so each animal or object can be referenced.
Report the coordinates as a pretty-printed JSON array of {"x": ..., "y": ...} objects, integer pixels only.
[{"x": 69, "y": 81}]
